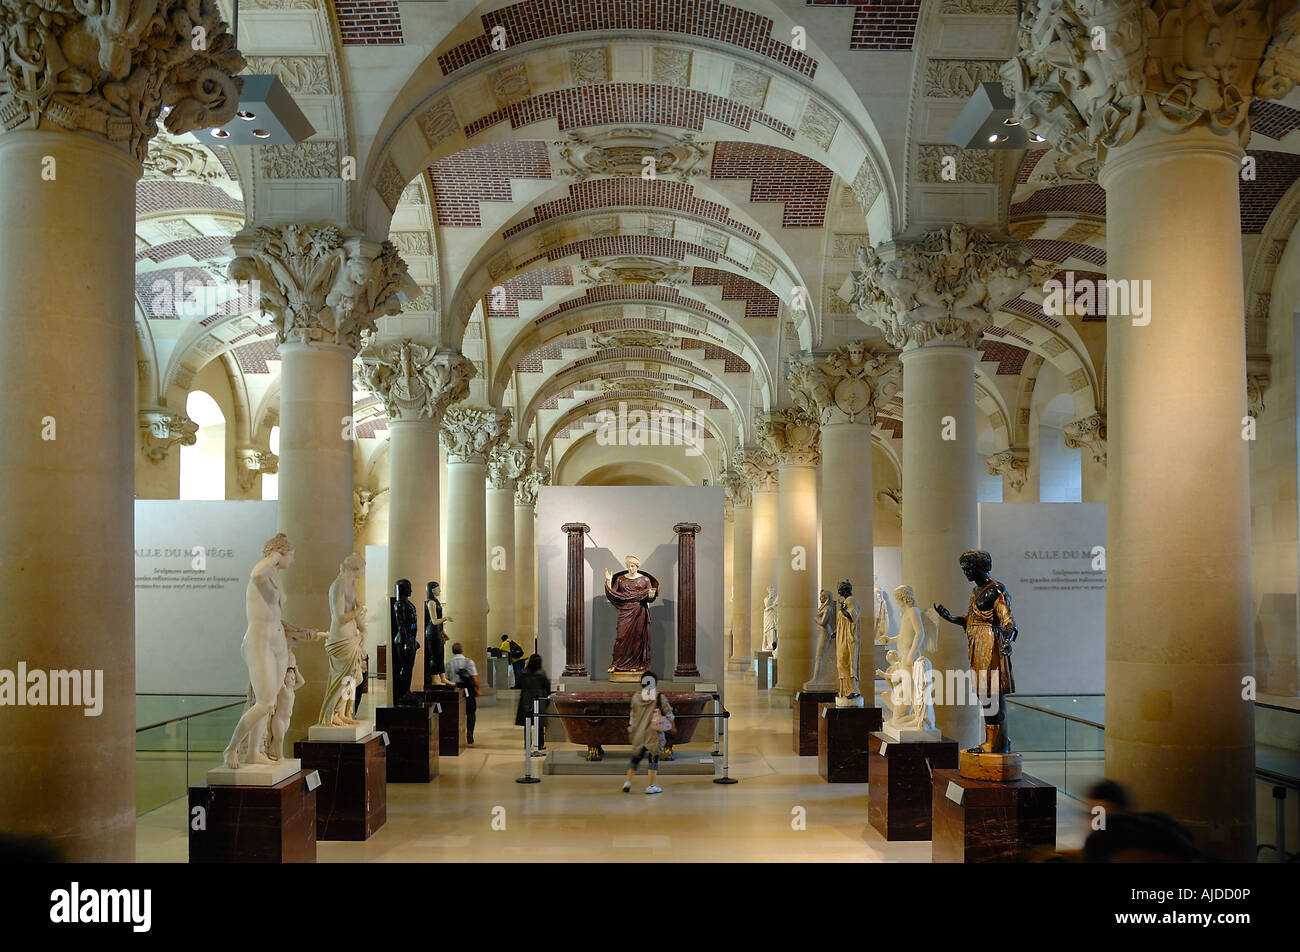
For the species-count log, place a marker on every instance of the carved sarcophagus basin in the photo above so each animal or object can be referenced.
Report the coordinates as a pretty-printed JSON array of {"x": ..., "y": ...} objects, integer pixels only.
[{"x": 606, "y": 718}]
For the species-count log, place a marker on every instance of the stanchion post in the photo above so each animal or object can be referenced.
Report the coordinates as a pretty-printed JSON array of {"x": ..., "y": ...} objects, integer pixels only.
[
  {"x": 726, "y": 749},
  {"x": 717, "y": 724},
  {"x": 528, "y": 754}
]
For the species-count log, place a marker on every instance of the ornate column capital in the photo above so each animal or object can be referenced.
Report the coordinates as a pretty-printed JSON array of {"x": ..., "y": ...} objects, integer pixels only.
[
  {"x": 319, "y": 286},
  {"x": 1256, "y": 384},
  {"x": 163, "y": 429},
  {"x": 1013, "y": 464},
  {"x": 941, "y": 288},
  {"x": 759, "y": 466},
  {"x": 845, "y": 385},
  {"x": 470, "y": 434},
  {"x": 415, "y": 381},
  {"x": 111, "y": 68},
  {"x": 526, "y": 486},
  {"x": 1091, "y": 73},
  {"x": 362, "y": 500},
  {"x": 791, "y": 435},
  {"x": 1088, "y": 433},
  {"x": 508, "y": 462},
  {"x": 250, "y": 461},
  {"x": 736, "y": 486}
]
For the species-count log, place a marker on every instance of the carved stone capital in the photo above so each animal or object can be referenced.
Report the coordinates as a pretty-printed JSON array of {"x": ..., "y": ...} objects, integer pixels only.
[
  {"x": 1088, "y": 433},
  {"x": 163, "y": 429},
  {"x": 1256, "y": 384},
  {"x": 526, "y": 486},
  {"x": 470, "y": 434},
  {"x": 362, "y": 501},
  {"x": 942, "y": 288},
  {"x": 1012, "y": 464},
  {"x": 111, "y": 68},
  {"x": 318, "y": 285},
  {"x": 509, "y": 462},
  {"x": 1091, "y": 73},
  {"x": 416, "y": 382},
  {"x": 792, "y": 435},
  {"x": 846, "y": 386},
  {"x": 251, "y": 462},
  {"x": 170, "y": 158},
  {"x": 736, "y": 486},
  {"x": 759, "y": 466}
]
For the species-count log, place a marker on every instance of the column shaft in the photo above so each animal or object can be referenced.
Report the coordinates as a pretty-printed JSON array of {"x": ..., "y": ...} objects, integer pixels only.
[
  {"x": 796, "y": 554},
  {"x": 501, "y": 562},
  {"x": 467, "y": 560},
  {"x": 763, "y": 570},
  {"x": 847, "y": 504},
  {"x": 525, "y": 578},
  {"x": 575, "y": 609},
  {"x": 741, "y": 582},
  {"x": 412, "y": 520}
]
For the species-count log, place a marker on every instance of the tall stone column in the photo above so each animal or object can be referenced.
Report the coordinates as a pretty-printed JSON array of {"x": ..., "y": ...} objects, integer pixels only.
[
  {"x": 792, "y": 437},
  {"x": 1088, "y": 435},
  {"x": 417, "y": 383},
  {"x": 507, "y": 463},
  {"x": 760, "y": 470},
  {"x": 69, "y": 161},
  {"x": 970, "y": 275},
  {"x": 738, "y": 492},
  {"x": 526, "y": 555},
  {"x": 470, "y": 435},
  {"x": 322, "y": 291},
  {"x": 1167, "y": 120},
  {"x": 686, "y": 666},
  {"x": 575, "y": 601},
  {"x": 728, "y": 568}
]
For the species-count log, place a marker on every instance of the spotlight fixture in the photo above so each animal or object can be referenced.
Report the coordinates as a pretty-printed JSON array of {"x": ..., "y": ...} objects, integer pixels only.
[
  {"x": 987, "y": 122},
  {"x": 279, "y": 120}
]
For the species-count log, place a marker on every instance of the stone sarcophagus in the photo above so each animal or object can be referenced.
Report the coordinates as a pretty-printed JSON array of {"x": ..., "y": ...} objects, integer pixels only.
[{"x": 597, "y": 718}]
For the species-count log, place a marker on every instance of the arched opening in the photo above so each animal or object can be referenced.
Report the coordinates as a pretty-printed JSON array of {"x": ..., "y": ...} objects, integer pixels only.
[
  {"x": 1060, "y": 473},
  {"x": 271, "y": 481},
  {"x": 203, "y": 465}
]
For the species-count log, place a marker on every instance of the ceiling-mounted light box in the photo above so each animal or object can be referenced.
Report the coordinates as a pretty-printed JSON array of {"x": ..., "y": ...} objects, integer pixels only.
[
  {"x": 267, "y": 115},
  {"x": 988, "y": 122}
]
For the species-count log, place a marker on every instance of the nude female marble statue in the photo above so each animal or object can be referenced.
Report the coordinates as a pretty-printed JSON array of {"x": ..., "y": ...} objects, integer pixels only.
[
  {"x": 848, "y": 626},
  {"x": 771, "y": 605},
  {"x": 272, "y": 673},
  {"x": 346, "y": 644},
  {"x": 631, "y": 592}
]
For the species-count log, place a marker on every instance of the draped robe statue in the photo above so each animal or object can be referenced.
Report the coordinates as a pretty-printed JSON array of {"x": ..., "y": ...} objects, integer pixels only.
[
  {"x": 346, "y": 646},
  {"x": 631, "y": 592}
]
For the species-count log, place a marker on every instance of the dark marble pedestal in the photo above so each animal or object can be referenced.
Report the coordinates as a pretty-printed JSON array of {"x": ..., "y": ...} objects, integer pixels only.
[
  {"x": 842, "y": 734},
  {"x": 352, "y": 801},
  {"x": 805, "y": 713},
  {"x": 901, "y": 792},
  {"x": 254, "y": 824},
  {"x": 451, "y": 719},
  {"x": 413, "y": 742},
  {"x": 990, "y": 821}
]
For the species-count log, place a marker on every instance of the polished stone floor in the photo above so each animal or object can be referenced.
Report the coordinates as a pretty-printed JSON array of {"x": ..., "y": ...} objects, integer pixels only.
[{"x": 588, "y": 818}]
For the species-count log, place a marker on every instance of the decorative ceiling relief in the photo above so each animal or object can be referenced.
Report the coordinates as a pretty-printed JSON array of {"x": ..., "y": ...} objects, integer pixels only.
[
  {"x": 629, "y": 151},
  {"x": 634, "y": 271}
]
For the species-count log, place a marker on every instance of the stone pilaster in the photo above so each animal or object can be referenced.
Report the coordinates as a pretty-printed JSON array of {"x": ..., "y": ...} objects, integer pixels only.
[
  {"x": 761, "y": 471},
  {"x": 739, "y": 494},
  {"x": 508, "y": 463}
]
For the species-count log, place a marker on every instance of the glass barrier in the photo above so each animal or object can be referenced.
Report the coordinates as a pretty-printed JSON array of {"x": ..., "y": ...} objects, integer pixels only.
[{"x": 178, "y": 738}]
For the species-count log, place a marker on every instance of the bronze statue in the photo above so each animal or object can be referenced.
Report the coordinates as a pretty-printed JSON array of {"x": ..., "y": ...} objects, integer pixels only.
[{"x": 990, "y": 630}]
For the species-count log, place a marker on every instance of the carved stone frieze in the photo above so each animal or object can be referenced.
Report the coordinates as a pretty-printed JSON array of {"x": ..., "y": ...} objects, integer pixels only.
[
  {"x": 629, "y": 151},
  {"x": 604, "y": 340},
  {"x": 169, "y": 158}
]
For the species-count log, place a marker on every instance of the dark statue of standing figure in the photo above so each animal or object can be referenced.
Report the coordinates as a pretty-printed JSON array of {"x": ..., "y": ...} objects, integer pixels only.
[
  {"x": 631, "y": 592},
  {"x": 406, "y": 639},
  {"x": 435, "y": 637},
  {"x": 990, "y": 630}
]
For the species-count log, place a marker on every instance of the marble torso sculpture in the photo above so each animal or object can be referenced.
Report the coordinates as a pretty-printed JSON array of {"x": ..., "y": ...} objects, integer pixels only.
[
  {"x": 826, "y": 622},
  {"x": 848, "y": 624},
  {"x": 346, "y": 644},
  {"x": 912, "y": 699},
  {"x": 631, "y": 592},
  {"x": 272, "y": 670},
  {"x": 406, "y": 640},
  {"x": 435, "y": 637},
  {"x": 771, "y": 605}
]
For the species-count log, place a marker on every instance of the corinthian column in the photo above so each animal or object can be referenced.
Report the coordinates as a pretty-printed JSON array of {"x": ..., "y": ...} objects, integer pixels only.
[
  {"x": 322, "y": 291},
  {"x": 416, "y": 384},
  {"x": 792, "y": 437},
  {"x": 932, "y": 298},
  {"x": 759, "y": 468},
  {"x": 739, "y": 494},
  {"x": 508, "y": 463},
  {"x": 80, "y": 99},
  {"x": 1165, "y": 111},
  {"x": 470, "y": 434},
  {"x": 526, "y": 553}
]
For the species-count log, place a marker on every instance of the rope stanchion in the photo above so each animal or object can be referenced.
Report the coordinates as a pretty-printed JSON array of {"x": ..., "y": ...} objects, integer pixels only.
[
  {"x": 528, "y": 752},
  {"x": 717, "y": 724},
  {"x": 726, "y": 748}
]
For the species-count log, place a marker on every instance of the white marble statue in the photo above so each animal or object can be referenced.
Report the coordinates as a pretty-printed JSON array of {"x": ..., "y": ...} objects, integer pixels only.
[
  {"x": 346, "y": 645},
  {"x": 894, "y": 699},
  {"x": 770, "y": 606},
  {"x": 272, "y": 670},
  {"x": 882, "y": 617},
  {"x": 912, "y": 706},
  {"x": 825, "y": 638},
  {"x": 848, "y": 631}
]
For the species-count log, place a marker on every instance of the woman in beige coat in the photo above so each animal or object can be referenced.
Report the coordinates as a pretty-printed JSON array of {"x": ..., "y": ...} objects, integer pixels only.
[{"x": 641, "y": 730}]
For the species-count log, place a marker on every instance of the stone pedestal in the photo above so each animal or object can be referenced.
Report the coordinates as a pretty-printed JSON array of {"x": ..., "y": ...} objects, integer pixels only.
[
  {"x": 806, "y": 704},
  {"x": 451, "y": 719},
  {"x": 352, "y": 801},
  {"x": 275, "y": 824},
  {"x": 412, "y": 742},
  {"x": 901, "y": 791},
  {"x": 979, "y": 821},
  {"x": 766, "y": 665},
  {"x": 842, "y": 734}
]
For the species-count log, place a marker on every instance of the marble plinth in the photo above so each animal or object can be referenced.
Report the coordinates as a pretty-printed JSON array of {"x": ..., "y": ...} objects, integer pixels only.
[
  {"x": 451, "y": 718},
  {"x": 349, "y": 734},
  {"x": 980, "y": 821},
  {"x": 977, "y": 765},
  {"x": 254, "y": 775},
  {"x": 900, "y": 791},
  {"x": 352, "y": 801},
  {"x": 413, "y": 742},
  {"x": 766, "y": 666},
  {"x": 842, "y": 736},
  {"x": 805, "y": 708},
  {"x": 253, "y": 824},
  {"x": 903, "y": 734}
]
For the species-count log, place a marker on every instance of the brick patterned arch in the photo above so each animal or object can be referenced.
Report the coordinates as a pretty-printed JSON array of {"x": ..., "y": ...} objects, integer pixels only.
[{"x": 588, "y": 408}]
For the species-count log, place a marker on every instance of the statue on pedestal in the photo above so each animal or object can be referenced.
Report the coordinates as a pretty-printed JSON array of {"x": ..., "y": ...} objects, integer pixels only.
[
  {"x": 346, "y": 644},
  {"x": 406, "y": 640},
  {"x": 631, "y": 592},
  {"x": 272, "y": 670},
  {"x": 848, "y": 624},
  {"x": 771, "y": 605},
  {"x": 826, "y": 622},
  {"x": 435, "y": 637},
  {"x": 881, "y": 617},
  {"x": 990, "y": 632},
  {"x": 912, "y": 697}
]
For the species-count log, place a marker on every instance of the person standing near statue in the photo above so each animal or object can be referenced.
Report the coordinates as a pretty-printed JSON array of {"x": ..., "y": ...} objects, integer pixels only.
[
  {"x": 990, "y": 631},
  {"x": 631, "y": 592},
  {"x": 464, "y": 674},
  {"x": 848, "y": 622}
]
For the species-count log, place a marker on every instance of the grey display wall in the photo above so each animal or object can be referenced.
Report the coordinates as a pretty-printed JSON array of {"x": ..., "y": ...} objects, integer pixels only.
[
  {"x": 190, "y": 620},
  {"x": 635, "y": 520},
  {"x": 1043, "y": 554}
]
